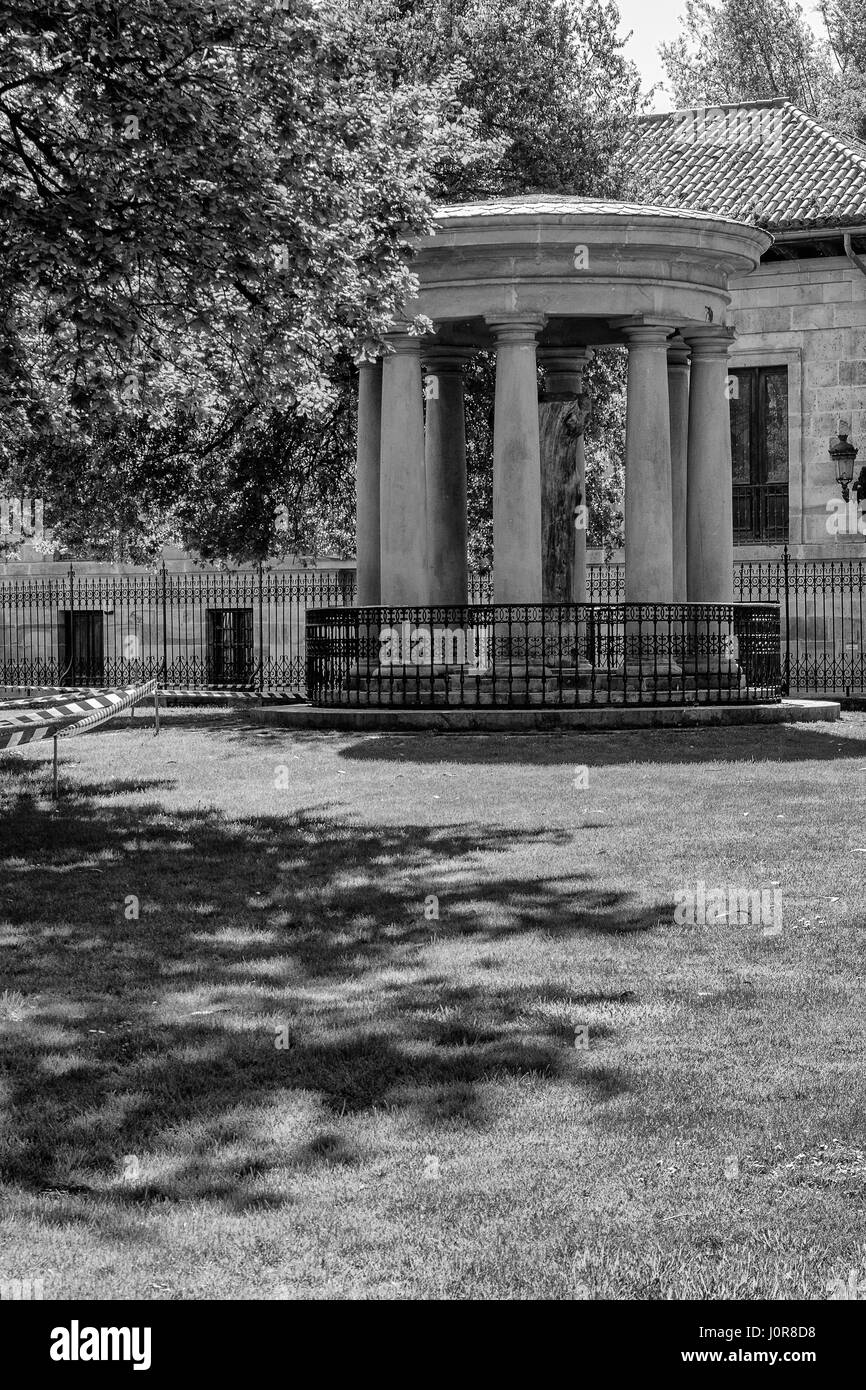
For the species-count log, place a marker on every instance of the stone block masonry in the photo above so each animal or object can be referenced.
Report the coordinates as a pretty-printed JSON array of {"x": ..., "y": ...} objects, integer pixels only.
[{"x": 812, "y": 313}]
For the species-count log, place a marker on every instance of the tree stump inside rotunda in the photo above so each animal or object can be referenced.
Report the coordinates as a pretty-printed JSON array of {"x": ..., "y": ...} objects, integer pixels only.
[
  {"x": 562, "y": 417},
  {"x": 562, "y": 420}
]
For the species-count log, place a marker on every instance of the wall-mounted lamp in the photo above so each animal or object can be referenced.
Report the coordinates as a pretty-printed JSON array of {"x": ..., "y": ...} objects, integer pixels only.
[{"x": 843, "y": 454}]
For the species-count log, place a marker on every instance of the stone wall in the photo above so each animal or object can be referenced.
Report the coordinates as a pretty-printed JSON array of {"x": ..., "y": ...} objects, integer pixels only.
[{"x": 810, "y": 316}]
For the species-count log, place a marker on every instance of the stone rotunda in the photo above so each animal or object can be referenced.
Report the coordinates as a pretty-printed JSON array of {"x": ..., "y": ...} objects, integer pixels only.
[{"x": 544, "y": 281}]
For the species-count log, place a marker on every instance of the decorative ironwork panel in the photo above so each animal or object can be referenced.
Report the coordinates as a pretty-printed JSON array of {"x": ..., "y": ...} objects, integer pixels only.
[{"x": 561, "y": 655}]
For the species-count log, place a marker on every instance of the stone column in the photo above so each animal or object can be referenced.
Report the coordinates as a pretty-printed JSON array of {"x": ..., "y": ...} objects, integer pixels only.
[
  {"x": 651, "y": 647},
  {"x": 562, "y": 415},
  {"x": 445, "y": 452},
  {"x": 517, "y": 567},
  {"x": 648, "y": 550},
  {"x": 678, "y": 396},
  {"x": 709, "y": 506},
  {"x": 367, "y": 482},
  {"x": 403, "y": 517},
  {"x": 710, "y": 542}
]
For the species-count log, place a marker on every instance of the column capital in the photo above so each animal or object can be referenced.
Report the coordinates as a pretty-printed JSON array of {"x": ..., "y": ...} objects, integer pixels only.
[
  {"x": 563, "y": 371},
  {"x": 516, "y": 328},
  {"x": 440, "y": 357},
  {"x": 709, "y": 339},
  {"x": 678, "y": 354},
  {"x": 373, "y": 364},
  {"x": 644, "y": 331},
  {"x": 400, "y": 339},
  {"x": 562, "y": 359}
]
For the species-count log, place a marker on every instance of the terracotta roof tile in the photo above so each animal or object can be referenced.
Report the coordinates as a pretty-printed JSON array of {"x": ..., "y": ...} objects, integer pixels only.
[
  {"x": 761, "y": 161},
  {"x": 559, "y": 205}
]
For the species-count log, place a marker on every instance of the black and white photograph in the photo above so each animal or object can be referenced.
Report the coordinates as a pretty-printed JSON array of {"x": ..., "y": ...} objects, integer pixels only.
[{"x": 432, "y": 672}]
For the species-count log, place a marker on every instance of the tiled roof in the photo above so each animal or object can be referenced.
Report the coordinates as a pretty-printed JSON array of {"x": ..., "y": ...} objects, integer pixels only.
[
  {"x": 761, "y": 161},
  {"x": 560, "y": 205}
]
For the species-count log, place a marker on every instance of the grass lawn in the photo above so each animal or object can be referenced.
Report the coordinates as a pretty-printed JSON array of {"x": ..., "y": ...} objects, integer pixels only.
[{"x": 286, "y": 1077}]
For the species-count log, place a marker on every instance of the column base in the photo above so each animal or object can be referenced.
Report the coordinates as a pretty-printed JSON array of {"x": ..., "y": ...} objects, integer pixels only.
[
  {"x": 660, "y": 666},
  {"x": 698, "y": 664}
]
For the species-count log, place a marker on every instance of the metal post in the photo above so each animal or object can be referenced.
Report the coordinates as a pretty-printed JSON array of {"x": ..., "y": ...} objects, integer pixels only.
[
  {"x": 54, "y": 790},
  {"x": 787, "y": 625},
  {"x": 70, "y": 655},
  {"x": 164, "y": 630},
  {"x": 156, "y": 712},
  {"x": 261, "y": 636}
]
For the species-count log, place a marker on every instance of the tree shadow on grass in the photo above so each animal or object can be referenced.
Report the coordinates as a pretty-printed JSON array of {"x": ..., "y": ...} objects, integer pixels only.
[
  {"x": 212, "y": 992},
  {"x": 744, "y": 744}
]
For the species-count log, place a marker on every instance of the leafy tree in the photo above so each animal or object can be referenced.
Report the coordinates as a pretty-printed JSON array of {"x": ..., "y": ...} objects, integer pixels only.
[
  {"x": 751, "y": 50},
  {"x": 285, "y": 487},
  {"x": 109, "y": 497},
  {"x": 745, "y": 50},
  {"x": 844, "y": 103},
  {"x": 554, "y": 93},
  {"x": 282, "y": 485},
  {"x": 301, "y": 139},
  {"x": 201, "y": 205},
  {"x": 605, "y": 448}
]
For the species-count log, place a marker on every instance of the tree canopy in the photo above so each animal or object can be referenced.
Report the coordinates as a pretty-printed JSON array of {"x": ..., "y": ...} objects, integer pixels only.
[
  {"x": 751, "y": 50},
  {"x": 208, "y": 210},
  {"x": 202, "y": 205}
]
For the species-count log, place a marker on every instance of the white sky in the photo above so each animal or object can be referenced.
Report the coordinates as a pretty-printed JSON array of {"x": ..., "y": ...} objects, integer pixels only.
[{"x": 657, "y": 21}]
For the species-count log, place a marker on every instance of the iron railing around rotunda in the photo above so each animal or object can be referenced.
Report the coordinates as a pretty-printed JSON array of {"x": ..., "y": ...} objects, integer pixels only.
[
  {"x": 550, "y": 654},
  {"x": 243, "y": 630}
]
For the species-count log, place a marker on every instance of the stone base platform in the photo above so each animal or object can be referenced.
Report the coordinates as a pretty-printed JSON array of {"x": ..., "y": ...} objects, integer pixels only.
[
  {"x": 545, "y": 720},
  {"x": 528, "y": 685}
]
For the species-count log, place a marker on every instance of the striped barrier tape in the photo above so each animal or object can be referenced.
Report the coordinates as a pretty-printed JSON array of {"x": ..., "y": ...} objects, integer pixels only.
[
  {"x": 70, "y": 717},
  {"x": 43, "y": 695},
  {"x": 121, "y": 700},
  {"x": 46, "y": 695},
  {"x": 62, "y": 709},
  {"x": 14, "y": 738}
]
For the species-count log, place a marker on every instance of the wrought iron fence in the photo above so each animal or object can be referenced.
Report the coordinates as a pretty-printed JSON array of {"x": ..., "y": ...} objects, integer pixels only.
[
  {"x": 822, "y": 616},
  {"x": 244, "y": 629},
  {"x": 220, "y": 629},
  {"x": 548, "y": 654}
]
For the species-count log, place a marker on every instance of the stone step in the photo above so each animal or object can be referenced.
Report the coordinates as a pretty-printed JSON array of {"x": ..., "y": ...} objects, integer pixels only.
[
  {"x": 562, "y": 690},
  {"x": 534, "y": 700}
]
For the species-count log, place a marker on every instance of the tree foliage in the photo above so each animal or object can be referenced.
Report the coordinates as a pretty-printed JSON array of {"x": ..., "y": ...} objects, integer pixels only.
[
  {"x": 554, "y": 94},
  {"x": 744, "y": 50},
  {"x": 201, "y": 204},
  {"x": 208, "y": 210},
  {"x": 752, "y": 50},
  {"x": 844, "y": 103}
]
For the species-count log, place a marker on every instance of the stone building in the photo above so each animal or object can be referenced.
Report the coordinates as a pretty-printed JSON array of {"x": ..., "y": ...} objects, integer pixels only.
[{"x": 798, "y": 362}]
